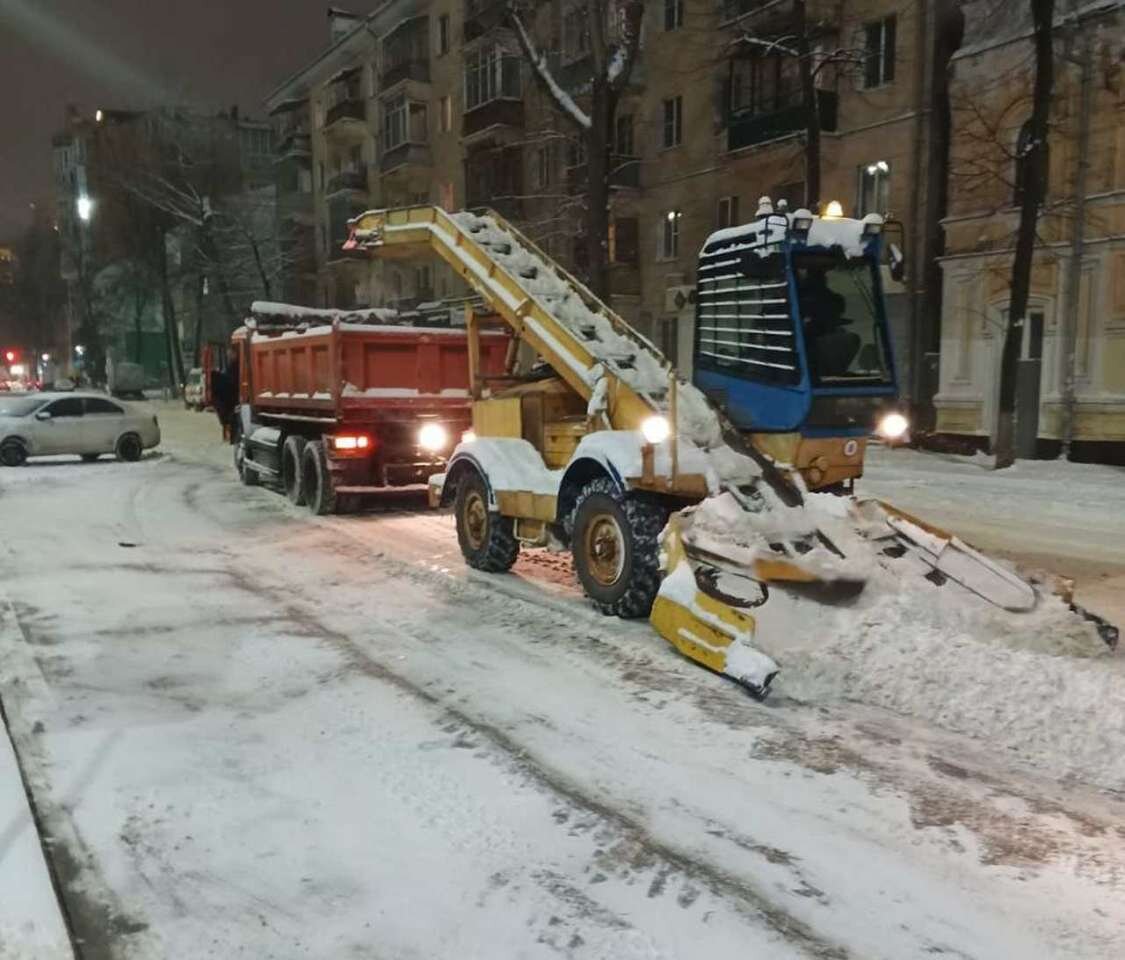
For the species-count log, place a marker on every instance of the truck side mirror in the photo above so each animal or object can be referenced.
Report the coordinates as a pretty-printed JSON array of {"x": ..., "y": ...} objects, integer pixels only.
[{"x": 898, "y": 263}]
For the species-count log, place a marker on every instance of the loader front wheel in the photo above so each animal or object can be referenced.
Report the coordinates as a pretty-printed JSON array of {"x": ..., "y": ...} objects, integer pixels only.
[
  {"x": 614, "y": 540},
  {"x": 487, "y": 539}
]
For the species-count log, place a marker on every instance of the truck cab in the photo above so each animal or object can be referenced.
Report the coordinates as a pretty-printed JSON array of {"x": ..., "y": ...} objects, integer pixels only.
[{"x": 791, "y": 337}]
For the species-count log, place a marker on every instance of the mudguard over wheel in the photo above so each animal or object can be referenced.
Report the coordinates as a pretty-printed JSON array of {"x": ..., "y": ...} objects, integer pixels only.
[
  {"x": 129, "y": 448},
  {"x": 12, "y": 453},
  {"x": 316, "y": 478},
  {"x": 487, "y": 539},
  {"x": 292, "y": 476},
  {"x": 615, "y": 544},
  {"x": 248, "y": 475}
]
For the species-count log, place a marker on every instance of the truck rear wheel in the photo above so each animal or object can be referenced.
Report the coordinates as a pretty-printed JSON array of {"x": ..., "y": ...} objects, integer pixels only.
[
  {"x": 292, "y": 476},
  {"x": 248, "y": 475},
  {"x": 487, "y": 539},
  {"x": 316, "y": 479},
  {"x": 614, "y": 541}
]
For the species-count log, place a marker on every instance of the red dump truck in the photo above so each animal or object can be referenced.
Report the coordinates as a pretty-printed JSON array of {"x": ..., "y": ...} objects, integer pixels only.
[{"x": 333, "y": 405}]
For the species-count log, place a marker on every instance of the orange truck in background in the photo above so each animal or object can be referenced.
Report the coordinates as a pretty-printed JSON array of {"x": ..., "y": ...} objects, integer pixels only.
[{"x": 335, "y": 405}]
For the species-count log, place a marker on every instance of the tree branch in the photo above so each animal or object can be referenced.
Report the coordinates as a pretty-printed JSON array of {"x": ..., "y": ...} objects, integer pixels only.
[{"x": 547, "y": 82}]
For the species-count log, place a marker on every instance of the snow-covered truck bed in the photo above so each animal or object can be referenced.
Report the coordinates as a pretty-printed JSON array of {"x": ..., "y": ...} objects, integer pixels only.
[{"x": 336, "y": 404}]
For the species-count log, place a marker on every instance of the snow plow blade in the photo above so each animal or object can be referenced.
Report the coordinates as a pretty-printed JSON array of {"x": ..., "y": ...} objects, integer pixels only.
[
  {"x": 715, "y": 631},
  {"x": 948, "y": 556}
]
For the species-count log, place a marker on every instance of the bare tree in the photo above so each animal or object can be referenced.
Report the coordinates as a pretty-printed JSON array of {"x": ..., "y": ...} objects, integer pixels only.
[
  {"x": 803, "y": 45},
  {"x": 1033, "y": 191},
  {"x": 613, "y": 32}
]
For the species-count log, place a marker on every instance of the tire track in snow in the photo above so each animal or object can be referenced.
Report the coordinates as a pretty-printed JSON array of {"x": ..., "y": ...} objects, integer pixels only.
[{"x": 751, "y": 902}]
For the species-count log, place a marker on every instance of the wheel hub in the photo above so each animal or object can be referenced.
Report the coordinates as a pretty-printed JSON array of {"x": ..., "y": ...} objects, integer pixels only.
[
  {"x": 476, "y": 520},
  {"x": 605, "y": 549}
]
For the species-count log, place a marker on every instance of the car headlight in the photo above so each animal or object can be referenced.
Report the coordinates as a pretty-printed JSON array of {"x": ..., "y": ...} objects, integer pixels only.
[
  {"x": 656, "y": 429},
  {"x": 433, "y": 437},
  {"x": 893, "y": 426}
]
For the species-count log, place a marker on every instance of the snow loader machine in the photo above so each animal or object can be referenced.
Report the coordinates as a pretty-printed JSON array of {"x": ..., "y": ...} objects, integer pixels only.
[{"x": 690, "y": 503}]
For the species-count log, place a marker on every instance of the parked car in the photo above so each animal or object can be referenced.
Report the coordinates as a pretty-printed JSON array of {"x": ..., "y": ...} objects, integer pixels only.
[
  {"x": 193, "y": 390},
  {"x": 85, "y": 424}
]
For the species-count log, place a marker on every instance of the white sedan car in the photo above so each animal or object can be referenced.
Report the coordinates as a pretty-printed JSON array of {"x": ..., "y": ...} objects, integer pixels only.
[{"x": 85, "y": 424}]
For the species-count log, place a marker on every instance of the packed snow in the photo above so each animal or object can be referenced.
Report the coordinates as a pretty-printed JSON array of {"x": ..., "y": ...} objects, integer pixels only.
[{"x": 390, "y": 754}]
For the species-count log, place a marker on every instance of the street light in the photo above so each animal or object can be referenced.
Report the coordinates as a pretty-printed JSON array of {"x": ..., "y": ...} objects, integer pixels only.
[{"x": 85, "y": 208}]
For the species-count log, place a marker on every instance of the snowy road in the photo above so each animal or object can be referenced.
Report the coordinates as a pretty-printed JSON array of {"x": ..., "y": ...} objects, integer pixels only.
[{"x": 257, "y": 734}]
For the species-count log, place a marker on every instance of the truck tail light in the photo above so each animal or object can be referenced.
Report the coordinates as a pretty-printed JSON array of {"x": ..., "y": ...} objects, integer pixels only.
[{"x": 349, "y": 444}]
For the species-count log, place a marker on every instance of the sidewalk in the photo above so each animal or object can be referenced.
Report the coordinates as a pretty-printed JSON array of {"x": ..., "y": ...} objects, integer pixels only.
[{"x": 31, "y": 925}]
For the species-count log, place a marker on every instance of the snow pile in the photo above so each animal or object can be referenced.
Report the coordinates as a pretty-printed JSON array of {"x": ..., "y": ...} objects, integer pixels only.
[
  {"x": 763, "y": 236},
  {"x": 266, "y": 310},
  {"x": 1043, "y": 685}
]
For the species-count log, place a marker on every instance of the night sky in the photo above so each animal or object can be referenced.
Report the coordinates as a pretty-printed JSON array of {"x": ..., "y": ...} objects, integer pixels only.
[{"x": 127, "y": 53}]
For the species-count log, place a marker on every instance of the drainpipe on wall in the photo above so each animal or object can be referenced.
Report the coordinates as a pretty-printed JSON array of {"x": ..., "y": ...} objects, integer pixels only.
[
  {"x": 1077, "y": 245},
  {"x": 915, "y": 265}
]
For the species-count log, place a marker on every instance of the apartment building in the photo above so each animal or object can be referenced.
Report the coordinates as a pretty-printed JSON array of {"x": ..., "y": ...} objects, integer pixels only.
[
  {"x": 1075, "y": 325},
  {"x": 431, "y": 100}
]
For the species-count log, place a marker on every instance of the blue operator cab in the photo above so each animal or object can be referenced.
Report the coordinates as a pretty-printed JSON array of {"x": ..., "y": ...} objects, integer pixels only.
[{"x": 791, "y": 338}]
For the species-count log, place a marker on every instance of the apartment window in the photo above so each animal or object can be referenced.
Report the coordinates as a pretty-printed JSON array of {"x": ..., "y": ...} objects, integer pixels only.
[
  {"x": 673, "y": 121},
  {"x": 446, "y": 114},
  {"x": 577, "y": 152},
  {"x": 673, "y": 14},
  {"x": 576, "y": 32},
  {"x": 1025, "y": 163},
  {"x": 879, "y": 52},
  {"x": 727, "y": 212},
  {"x": 670, "y": 235},
  {"x": 761, "y": 85},
  {"x": 543, "y": 163},
  {"x": 394, "y": 123},
  {"x": 874, "y": 188},
  {"x": 490, "y": 74},
  {"x": 793, "y": 193},
  {"x": 424, "y": 282},
  {"x": 623, "y": 136},
  {"x": 624, "y": 236},
  {"x": 304, "y": 181},
  {"x": 443, "y": 34}
]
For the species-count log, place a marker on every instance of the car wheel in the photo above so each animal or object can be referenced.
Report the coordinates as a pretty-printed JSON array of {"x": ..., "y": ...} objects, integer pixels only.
[
  {"x": 12, "y": 453},
  {"x": 129, "y": 448}
]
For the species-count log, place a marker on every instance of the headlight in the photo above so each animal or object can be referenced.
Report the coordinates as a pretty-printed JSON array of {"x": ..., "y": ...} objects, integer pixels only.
[
  {"x": 656, "y": 429},
  {"x": 893, "y": 426},
  {"x": 433, "y": 437}
]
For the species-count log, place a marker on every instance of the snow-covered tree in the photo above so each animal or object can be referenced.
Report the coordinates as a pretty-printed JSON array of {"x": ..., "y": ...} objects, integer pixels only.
[{"x": 611, "y": 30}]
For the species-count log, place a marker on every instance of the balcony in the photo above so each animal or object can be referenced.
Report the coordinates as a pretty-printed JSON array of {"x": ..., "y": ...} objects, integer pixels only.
[
  {"x": 492, "y": 113},
  {"x": 293, "y": 142},
  {"x": 417, "y": 70},
  {"x": 406, "y": 53},
  {"x": 346, "y": 112},
  {"x": 481, "y": 17},
  {"x": 748, "y": 127},
  {"x": 295, "y": 207},
  {"x": 402, "y": 154},
  {"x": 624, "y": 280},
  {"x": 354, "y": 180}
]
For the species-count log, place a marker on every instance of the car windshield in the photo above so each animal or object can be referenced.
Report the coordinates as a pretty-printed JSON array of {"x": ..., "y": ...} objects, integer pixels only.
[
  {"x": 19, "y": 406},
  {"x": 844, "y": 335}
]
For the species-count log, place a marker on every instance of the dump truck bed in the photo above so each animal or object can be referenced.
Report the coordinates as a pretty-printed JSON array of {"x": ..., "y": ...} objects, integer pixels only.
[{"x": 346, "y": 371}]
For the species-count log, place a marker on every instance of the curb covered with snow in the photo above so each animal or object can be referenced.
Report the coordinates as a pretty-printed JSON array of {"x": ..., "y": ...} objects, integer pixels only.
[{"x": 31, "y": 925}]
